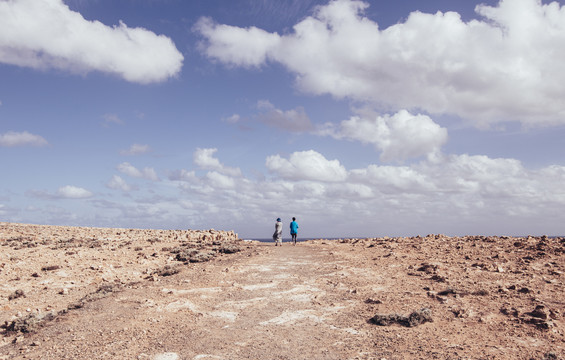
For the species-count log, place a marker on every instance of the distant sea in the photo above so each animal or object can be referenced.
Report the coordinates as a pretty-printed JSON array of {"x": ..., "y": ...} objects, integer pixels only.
[{"x": 266, "y": 240}]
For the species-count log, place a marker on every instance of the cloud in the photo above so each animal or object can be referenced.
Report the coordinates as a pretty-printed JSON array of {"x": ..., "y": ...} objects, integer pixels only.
[
  {"x": 479, "y": 174},
  {"x": 12, "y": 139},
  {"x": 294, "y": 120},
  {"x": 136, "y": 149},
  {"x": 306, "y": 165},
  {"x": 47, "y": 34},
  {"x": 392, "y": 179},
  {"x": 504, "y": 67},
  {"x": 218, "y": 180},
  {"x": 110, "y": 119},
  {"x": 117, "y": 183},
  {"x": 464, "y": 189},
  {"x": 204, "y": 159},
  {"x": 147, "y": 173},
  {"x": 182, "y": 175},
  {"x": 398, "y": 137},
  {"x": 73, "y": 192},
  {"x": 453, "y": 194},
  {"x": 235, "y": 118},
  {"x": 236, "y": 46}
]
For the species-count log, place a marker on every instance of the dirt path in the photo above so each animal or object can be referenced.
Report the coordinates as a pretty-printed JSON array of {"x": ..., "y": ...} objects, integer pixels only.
[
  {"x": 282, "y": 303},
  {"x": 311, "y": 301}
]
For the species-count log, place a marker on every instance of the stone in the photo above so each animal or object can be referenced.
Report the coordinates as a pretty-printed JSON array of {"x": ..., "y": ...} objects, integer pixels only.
[
  {"x": 414, "y": 319},
  {"x": 539, "y": 312},
  {"x": 17, "y": 294}
]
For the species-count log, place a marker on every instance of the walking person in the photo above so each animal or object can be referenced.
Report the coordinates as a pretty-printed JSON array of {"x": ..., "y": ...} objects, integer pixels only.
[
  {"x": 277, "y": 236},
  {"x": 294, "y": 230}
]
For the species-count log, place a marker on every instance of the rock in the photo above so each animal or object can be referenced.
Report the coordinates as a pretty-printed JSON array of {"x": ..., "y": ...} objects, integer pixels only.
[
  {"x": 539, "y": 312},
  {"x": 202, "y": 256},
  {"x": 438, "y": 278},
  {"x": 373, "y": 301},
  {"x": 419, "y": 317},
  {"x": 459, "y": 312},
  {"x": 50, "y": 268},
  {"x": 29, "y": 323},
  {"x": 229, "y": 249},
  {"x": 19, "y": 339},
  {"x": 448, "y": 291},
  {"x": 193, "y": 255},
  {"x": 17, "y": 294},
  {"x": 167, "y": 270},
  {"x": 509, "y": 312},
  {"x": 428, "y": 268},
  {"x": 386, "y": 320},
  {"x": 414, "y": 319},
  {"x": 539, "y": 323}
]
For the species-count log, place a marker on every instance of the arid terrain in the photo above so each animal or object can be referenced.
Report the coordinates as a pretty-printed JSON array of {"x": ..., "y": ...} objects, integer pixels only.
[{"x": 90, "y": 293}]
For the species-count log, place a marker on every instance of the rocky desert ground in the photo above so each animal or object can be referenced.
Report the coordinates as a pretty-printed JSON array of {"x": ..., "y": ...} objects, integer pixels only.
[{"x": 93, "y": 293}]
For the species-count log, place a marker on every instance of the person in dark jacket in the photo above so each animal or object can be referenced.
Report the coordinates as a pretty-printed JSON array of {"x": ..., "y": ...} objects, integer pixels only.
[{"x": 277, "y": 236}]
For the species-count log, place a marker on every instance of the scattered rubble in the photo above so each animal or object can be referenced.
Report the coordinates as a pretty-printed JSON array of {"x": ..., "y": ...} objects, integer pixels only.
[
  {"x": 68, "y": 267},
  {"x": 414, "y": 319},
  {"x": 17, "y": 294},
  {"x": 84, "y": 292}
]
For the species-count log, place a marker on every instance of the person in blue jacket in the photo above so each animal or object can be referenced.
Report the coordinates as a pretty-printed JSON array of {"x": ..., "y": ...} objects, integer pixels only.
[{"x": 294, "y": 230}]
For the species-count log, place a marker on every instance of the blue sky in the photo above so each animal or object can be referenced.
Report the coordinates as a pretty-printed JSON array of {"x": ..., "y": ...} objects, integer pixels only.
[{"x": 360, "y": 118}]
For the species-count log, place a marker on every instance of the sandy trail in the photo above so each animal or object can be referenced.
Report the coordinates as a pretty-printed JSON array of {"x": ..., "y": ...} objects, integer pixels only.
[
  {"x": 276, "y": 305},
  {"x": 281, "y": 303}
]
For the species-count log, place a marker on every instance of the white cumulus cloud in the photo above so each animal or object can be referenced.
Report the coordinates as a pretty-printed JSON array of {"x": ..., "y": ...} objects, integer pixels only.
[
  {"x": 307, "y": 165},
  {"x": 205, "y": 159},
  {"x": 235, "y": 118},
  {"x": 110, "y": 119},
  {"x": 398, "y": 137},
  {"x": 13, "y": 138},
  {"x": 391, "y": 179},
  {"x": 294, "y": 120},
  {"x": 130, "y": 170},
  {"x": 117, "y": 183},
  {"x": 218, "y": 180},
  {"x": 73, "y": 192},
  {"x": 136, "y": 149},
  {"x": 242, "y": 47},
  {"x": 505, "y": 66},
  {"x": 47, "y": 34}
]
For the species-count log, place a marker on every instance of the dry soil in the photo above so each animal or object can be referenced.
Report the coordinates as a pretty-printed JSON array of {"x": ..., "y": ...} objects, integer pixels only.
[{"x": 165, "y": 295}]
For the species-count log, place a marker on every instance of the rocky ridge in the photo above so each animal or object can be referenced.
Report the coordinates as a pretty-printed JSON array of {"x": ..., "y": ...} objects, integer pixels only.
[{"x": 45, "y": 271}]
